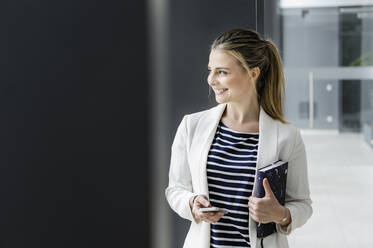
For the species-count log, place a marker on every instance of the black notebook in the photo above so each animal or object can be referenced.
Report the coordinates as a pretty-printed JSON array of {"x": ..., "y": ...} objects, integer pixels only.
[{"x": 276, "y": 173}]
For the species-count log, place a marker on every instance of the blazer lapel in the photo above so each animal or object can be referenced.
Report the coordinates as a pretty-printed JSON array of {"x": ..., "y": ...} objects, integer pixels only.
[
  {"x": 268, "y": 138},
  {"x": 211, "y": 124},
  {"x": 267, "y": 154},
  {"x": 268, "y": 141},
  {"x": 267, "y": 150}
]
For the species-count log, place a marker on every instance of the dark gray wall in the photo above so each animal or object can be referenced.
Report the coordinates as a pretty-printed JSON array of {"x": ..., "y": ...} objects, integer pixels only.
[
  {"x": 73, "y": 131},
  {"x": 193, "y": 26}
]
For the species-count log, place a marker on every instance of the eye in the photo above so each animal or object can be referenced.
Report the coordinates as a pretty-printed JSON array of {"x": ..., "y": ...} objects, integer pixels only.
[{"x": 223, "y": 72}]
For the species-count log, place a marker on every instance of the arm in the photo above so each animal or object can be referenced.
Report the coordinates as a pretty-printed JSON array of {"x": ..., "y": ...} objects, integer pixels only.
[
  {"x": 297, "y": 197},
  {"x": 180, "y": 191}
]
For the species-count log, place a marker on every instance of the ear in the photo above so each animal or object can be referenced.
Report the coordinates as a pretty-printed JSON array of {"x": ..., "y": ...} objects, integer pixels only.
[{"x": 255, "y": 72}]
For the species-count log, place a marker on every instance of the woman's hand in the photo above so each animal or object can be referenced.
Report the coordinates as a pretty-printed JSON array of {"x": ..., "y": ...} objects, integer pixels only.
[
  {"x": 202, "y": 202},
  {"x": 268, "y": 209}
]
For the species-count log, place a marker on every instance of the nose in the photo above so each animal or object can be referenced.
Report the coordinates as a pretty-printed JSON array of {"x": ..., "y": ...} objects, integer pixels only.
[{"x": 211, "y": 79}]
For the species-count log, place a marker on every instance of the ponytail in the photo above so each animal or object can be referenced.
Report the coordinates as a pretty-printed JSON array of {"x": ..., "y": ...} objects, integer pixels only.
[{"x": 271, "y": 85}]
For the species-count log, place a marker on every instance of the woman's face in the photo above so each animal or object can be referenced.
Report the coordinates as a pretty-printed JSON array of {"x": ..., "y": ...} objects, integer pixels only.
[{"x": 229, "y": 80}]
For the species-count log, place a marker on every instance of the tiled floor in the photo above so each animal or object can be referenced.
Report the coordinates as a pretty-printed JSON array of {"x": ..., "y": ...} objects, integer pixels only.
[{"x": 341, "y": 183}]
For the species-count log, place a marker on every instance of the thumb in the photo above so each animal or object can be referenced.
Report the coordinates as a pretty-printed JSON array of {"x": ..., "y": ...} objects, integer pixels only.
[
  {"x": 267, "y": 187},
  {"x": 203, "y": 200}
]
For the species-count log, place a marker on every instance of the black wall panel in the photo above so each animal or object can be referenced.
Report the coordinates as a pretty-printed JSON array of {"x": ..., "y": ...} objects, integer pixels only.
[{"x": 73, "y": 128}]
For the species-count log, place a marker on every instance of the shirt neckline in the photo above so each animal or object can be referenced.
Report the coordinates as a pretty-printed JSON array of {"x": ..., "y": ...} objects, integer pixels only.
[{"x": 233, "y": 131}]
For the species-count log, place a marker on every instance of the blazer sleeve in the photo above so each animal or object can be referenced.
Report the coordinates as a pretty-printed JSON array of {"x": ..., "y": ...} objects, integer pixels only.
[
  {"x": 180, "y": 189},
  {"x": 297, "y": 198}
]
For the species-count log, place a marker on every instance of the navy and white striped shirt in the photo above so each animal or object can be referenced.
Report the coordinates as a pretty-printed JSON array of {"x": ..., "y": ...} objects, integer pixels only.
[{"x": 231, "y": 165}]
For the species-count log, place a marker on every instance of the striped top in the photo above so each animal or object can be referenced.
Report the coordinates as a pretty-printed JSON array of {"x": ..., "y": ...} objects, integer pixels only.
[{"x": 231, "y": 165}]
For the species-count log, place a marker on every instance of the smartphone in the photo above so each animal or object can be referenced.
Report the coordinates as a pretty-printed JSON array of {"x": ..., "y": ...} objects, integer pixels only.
[{"x": 212, "y": 209}]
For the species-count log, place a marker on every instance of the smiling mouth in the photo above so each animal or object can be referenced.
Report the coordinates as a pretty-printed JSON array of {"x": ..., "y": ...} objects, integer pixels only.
[{"x": 220, "y": 91}]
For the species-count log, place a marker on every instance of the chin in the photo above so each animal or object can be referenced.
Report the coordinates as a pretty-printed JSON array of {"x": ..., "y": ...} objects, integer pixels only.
[{"x": 221, "y": 100}]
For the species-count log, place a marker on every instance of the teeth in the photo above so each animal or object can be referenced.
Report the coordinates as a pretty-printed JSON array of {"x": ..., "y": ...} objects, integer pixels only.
[{"x": 220, "y": 91}]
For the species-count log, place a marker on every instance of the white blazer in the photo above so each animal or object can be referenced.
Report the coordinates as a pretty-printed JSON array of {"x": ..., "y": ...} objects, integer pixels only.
[{"x": 188, "y": 176}]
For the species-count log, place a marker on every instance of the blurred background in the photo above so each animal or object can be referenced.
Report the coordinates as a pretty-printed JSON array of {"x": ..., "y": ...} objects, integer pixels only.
[{"x": 92, "y": 93}]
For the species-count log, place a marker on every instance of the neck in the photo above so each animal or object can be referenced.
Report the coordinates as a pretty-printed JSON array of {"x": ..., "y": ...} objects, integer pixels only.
[{"x": 242, "y": 113}]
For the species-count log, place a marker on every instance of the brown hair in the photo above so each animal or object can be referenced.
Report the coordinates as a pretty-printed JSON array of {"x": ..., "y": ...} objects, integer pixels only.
[{"x": 252, "y": 51}]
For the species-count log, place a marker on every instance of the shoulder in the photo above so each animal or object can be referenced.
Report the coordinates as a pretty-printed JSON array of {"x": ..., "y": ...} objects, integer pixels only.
[
  {"x": 196, "y": 117},
  {"x": 199, "y": 122},
  {"x": 289, "y": 141},
  {"x": 284, "y": 130},
  {"x": 202, "y": 113},
  {"x": 288, "y": 130}
]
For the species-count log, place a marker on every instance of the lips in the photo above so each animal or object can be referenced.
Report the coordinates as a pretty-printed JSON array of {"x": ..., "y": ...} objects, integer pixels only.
[{"x": 220, "y": 91}]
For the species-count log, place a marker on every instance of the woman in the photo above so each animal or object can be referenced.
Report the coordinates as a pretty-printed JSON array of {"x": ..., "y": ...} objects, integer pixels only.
[{"x": 216, "y": 152}]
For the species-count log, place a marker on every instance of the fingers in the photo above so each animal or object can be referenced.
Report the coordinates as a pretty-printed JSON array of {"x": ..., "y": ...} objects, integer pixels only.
[
  {"x": 212, "y": 217},
  {"x": 254, "y": 208},
  {"x": 217, "y": 217},
  {"x": 203, "y": 201},
  {"x": 254, "y": 217},
  {"x": 259, "y": 213},
  {"x": 253, "y": 199},
  {"x": 254, "y": 212}
]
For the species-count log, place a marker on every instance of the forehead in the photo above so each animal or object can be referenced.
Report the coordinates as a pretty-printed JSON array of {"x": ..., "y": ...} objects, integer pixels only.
[{"x": 221, "y": 58}]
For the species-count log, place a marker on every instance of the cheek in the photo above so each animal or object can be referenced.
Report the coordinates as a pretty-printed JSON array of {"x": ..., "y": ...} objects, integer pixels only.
[
  {"x": 244, "y": 85},
  {"x": 229, "y": 82},
  {"x": 238, "y": 86}
]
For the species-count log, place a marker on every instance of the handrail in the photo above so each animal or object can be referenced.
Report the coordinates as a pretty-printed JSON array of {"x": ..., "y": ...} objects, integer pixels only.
[
  {"x": 336, "y": 73},
  {"x": 311, "y": 104}
]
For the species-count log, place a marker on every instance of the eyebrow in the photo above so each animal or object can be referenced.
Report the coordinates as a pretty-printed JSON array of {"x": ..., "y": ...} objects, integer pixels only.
[{"x": 208, "y": 67}]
